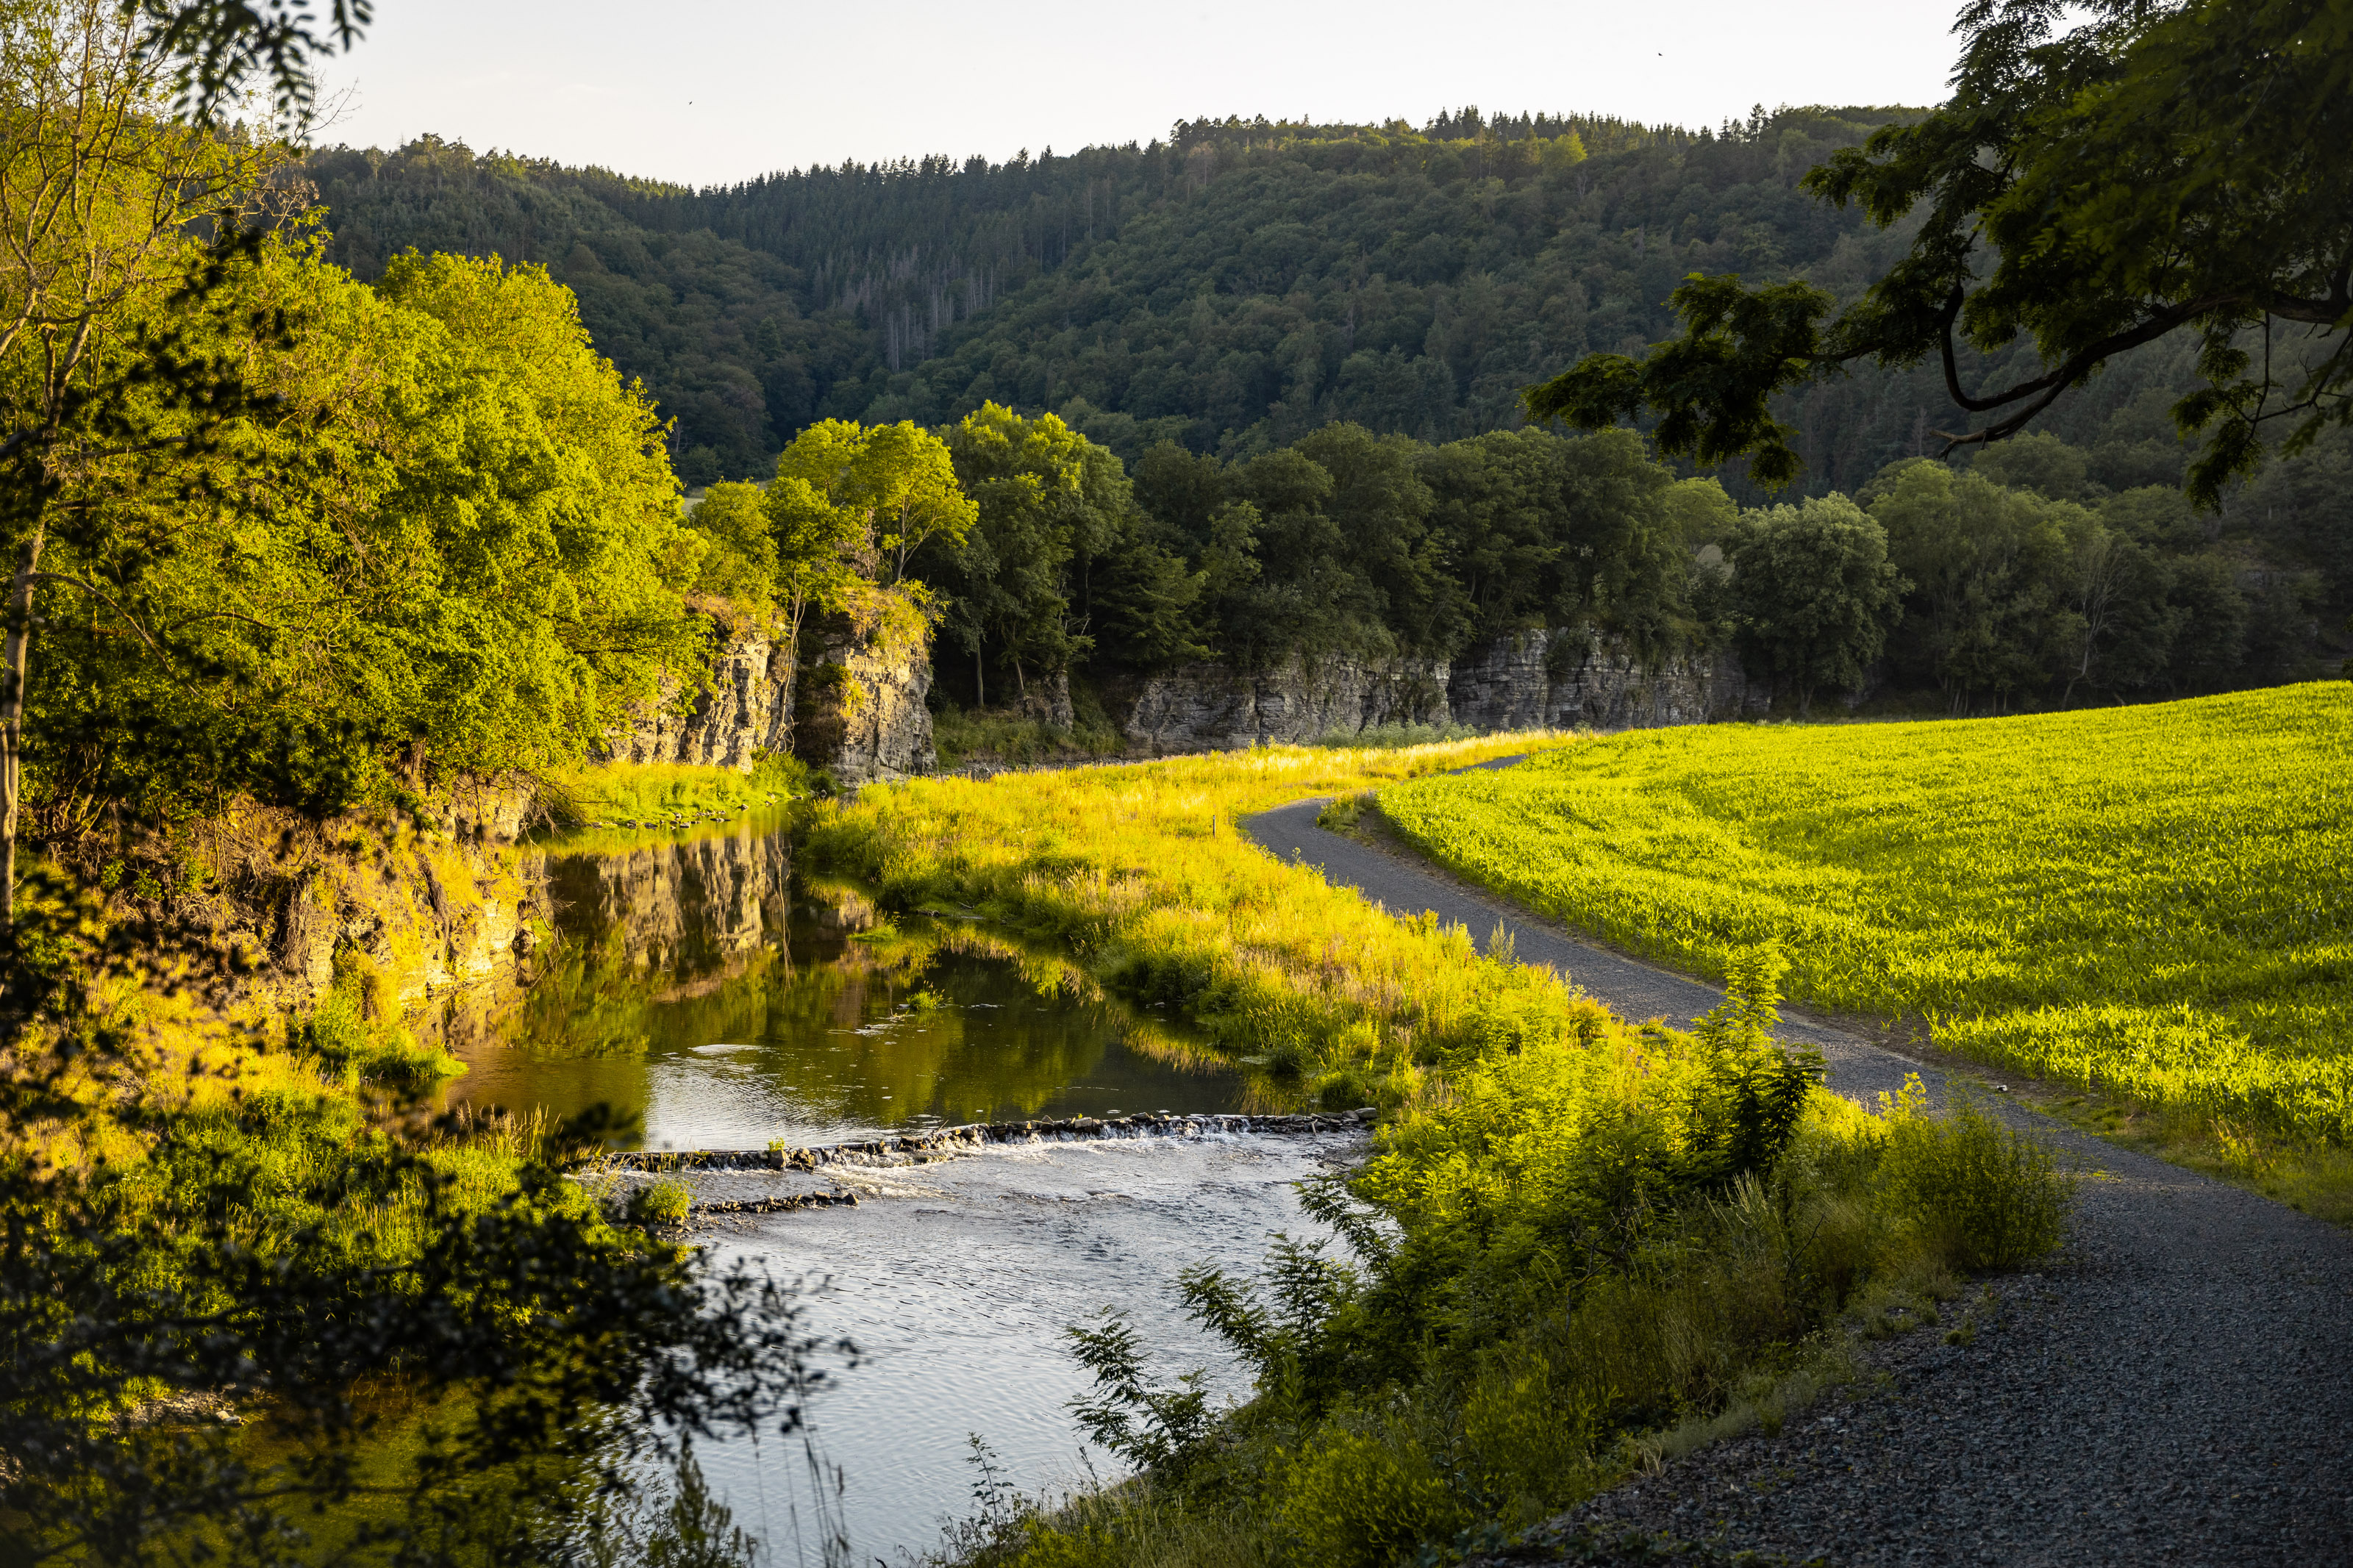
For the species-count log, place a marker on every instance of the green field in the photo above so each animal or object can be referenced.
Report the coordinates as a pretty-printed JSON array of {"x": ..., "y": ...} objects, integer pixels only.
[{"x": 2150, "y": 901}]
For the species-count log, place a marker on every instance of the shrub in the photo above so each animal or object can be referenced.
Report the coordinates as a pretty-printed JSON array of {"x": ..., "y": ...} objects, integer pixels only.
[
  {"x": 1363, "y": 1499},
  {"x": 665, "y": 1202},
  {"x": 1987, "y": 1196}
]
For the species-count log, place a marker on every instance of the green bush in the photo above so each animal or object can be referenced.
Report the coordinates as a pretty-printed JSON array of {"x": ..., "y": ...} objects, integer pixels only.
[
  {"x": 1365, "y": 1499},
  {"x": 666, "y": 1202},
  {"x": 1343, "y": 814},
  {"x": 1987, "y": 1196}
]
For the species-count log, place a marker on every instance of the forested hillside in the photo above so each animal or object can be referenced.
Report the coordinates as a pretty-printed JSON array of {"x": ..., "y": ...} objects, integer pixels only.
[
  {"x": 1244, "y": 283},
  {"x": 1230, "y": 287}
]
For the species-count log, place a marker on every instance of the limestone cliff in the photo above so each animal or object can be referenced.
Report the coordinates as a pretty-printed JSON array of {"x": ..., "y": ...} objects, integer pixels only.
[
  {"x": 1582, "y": 679},
  {"x": 745, "y": 709},
  {"x": 413, "y": 911},
  {"x": 860, "y": 691},
  {"x": 863, "y": 683},
  {"x": 1562, "y": 678},
  {"x": 1209, "y": 707}
]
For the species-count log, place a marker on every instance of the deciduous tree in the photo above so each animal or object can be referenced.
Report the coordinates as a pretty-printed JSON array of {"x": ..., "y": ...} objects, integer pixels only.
[
  {"x": 1814, "y": 592},
  {"x": 2151, "y": 170}
]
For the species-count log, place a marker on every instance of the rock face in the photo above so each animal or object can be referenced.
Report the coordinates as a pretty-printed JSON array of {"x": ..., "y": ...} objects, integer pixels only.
[
  {"x": 1208, "y": 707},
  {"x": 861, "y": 694},
  {"x": 747, "y": 709},
  {"x": 416, "y": 916},
  {"x": 1580, "y": 679},
  {"x": 1535, "y": 681}
]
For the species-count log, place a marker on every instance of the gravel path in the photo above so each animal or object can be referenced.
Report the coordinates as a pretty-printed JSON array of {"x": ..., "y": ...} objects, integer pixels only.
[{"x": 2178, "y": 1388}]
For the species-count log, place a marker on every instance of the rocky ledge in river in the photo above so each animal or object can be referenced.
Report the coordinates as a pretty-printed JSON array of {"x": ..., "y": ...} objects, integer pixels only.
[{"x": 901, "y": 1147}]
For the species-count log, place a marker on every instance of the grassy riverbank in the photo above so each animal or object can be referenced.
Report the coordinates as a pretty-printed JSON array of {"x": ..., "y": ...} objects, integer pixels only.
[
  {"x": 2154, "y": 903},
  {"x": 621, "y": 795},
  {"x": 1579, "y": 1242}
]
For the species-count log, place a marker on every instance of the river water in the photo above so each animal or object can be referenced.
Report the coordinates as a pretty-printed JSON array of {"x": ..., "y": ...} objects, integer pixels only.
[{"x": 701, "y": 989}]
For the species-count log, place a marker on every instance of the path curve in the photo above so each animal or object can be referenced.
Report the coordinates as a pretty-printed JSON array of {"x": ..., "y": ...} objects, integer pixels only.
[{"x": 2177, "y": 1388}]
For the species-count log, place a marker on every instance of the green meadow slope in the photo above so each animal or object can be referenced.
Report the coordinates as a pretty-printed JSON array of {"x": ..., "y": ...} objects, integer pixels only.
[{"x": 2154, "y": 901}]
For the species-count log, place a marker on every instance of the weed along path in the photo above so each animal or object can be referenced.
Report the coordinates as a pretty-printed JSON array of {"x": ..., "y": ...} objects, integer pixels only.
[{"x": 2177, "y": 1387}]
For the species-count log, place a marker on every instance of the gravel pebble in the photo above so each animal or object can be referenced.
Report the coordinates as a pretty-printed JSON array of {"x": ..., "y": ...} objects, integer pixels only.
[{"x": 2175, "y": 1387}]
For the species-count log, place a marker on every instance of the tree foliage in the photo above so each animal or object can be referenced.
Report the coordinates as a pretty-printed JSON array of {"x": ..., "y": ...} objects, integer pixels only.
[
  {"x": 2154, "y": 168},
  {"x": 1814, "y": 592}
]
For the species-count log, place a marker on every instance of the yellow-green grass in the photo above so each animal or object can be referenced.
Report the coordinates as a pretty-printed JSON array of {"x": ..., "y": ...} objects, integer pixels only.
[
  {"x": 619, "y": 793},
  {"x": 1140, "y": 870},
  {"x": 1535, "y": 1371},
  {"x": 2152, "y": 902}
]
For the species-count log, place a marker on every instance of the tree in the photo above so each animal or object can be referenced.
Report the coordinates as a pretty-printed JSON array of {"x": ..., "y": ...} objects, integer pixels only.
[
  {"x": 736, "y": 558},
  {"x": 2119, "y": 627},
  {"x": 1814, "y": 592},
  {"x": 895, "y": 484},
  {"x": 847, "y": 500},
  {"x": 1051, "y": 503},
  {"x": 2158, "y": 169},
  {"x": 1985, "y": 567},
  {"x": 109, "y": 356}
]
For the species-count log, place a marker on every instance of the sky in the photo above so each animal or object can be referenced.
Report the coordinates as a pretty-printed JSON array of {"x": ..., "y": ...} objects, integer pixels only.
[{"x": 713, "y": 91}]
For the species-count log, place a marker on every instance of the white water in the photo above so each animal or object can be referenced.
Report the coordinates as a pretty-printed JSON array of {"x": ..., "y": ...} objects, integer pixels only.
[{"x": 956, "y": 1280}]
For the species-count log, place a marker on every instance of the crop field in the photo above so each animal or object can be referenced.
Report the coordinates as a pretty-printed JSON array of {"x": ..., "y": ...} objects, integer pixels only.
[{"x": 2155, "y": 902}]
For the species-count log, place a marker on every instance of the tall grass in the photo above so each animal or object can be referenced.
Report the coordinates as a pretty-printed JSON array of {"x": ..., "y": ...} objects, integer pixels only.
[
  {"x": 1574, "y": 1234},
  {"x": 1141, "y": 871},
  {"x": 2155, "y": 901},
  {"x": 625, "y": 794}
]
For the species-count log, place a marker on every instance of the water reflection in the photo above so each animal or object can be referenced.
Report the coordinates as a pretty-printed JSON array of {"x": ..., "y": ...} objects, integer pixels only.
[{"x": 699, "y": 988}]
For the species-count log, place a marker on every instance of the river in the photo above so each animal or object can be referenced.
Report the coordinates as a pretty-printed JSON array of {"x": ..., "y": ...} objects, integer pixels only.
[{"x": 703, "y": 989}]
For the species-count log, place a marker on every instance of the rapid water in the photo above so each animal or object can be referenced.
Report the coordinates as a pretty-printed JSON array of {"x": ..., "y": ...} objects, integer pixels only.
[{"x": 702, "y": 991}]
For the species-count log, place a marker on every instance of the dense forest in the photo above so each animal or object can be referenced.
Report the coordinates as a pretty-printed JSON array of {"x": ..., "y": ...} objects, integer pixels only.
[
  {"x": 1245, "y": 283},
  {"x": 2020, "y": 580},
  {"x": 1230, "y": 287}
]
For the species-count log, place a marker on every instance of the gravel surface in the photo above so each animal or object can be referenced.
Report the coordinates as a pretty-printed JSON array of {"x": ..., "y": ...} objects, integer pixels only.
[{"x": 2176, "y": 1388}]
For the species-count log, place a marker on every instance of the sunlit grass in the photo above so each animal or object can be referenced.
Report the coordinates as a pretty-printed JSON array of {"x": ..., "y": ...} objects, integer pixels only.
[
  {"x": 2152, "y": 902},
  {"x": 604, "y": 795},
  {"x": 1140, "y": 871}
]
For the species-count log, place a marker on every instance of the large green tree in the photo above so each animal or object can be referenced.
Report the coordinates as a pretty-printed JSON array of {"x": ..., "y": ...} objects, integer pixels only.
[
  {"x": 2153, "y": 169},
  {"x": 1814, "y": 592},
  {"x": 1050, "y": 504}
]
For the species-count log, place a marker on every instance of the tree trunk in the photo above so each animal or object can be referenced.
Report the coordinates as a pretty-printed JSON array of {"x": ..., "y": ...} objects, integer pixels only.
[
  {"x": 12, "y": 720},
  {"x": 793, "y": 668}
]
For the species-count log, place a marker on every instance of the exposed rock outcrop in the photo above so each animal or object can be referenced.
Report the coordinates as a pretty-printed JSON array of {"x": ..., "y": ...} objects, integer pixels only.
[
  {"x": 860, "y": 693},
  {"x": 862, "y": 685},
  {"x": 1535, "y": 681},
  {"x": 1209, "y": 707},
  {"x": 746, "y": 708},
  {"x": 1580, "y": 678},
  {"x": 414, "y": 915}
]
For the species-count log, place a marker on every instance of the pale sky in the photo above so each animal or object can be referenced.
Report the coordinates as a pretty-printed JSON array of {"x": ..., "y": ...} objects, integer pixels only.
[{"x": 712, "y": 92}]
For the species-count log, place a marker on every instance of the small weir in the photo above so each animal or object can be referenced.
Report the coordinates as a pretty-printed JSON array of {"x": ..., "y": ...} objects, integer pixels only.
[
  {"x": 979, "y": 1135},
  {"x": 922, "y": 1125}
]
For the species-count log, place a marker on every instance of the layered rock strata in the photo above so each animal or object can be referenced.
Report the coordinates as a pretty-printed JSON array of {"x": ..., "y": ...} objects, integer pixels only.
[
  {"x": 1209, "y": 707},
  {"x": 861, "y": 693},
  {"x": 1538, "y": 680},
  {"x": 1579, "y": 678}
]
